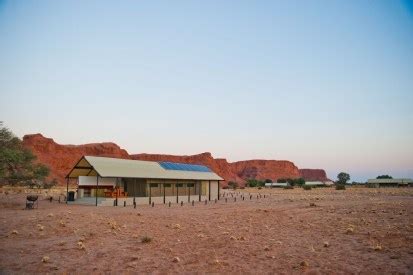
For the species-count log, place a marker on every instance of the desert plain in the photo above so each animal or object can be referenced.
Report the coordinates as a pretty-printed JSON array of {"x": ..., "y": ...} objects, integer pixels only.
[{"x": 318, "y": 231}]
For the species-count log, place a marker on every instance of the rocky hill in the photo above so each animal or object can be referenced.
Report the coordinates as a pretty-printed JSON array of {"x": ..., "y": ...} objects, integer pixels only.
[
  {"x": 61, "y": 158},
  {"x": 313, "y": 174}
]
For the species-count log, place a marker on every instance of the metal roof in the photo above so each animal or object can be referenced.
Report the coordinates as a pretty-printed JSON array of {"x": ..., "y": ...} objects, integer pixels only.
[{"x": 126, "y": 168}]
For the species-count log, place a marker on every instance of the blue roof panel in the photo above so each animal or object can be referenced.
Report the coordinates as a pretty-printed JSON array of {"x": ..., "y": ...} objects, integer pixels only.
[{"x": 183, "y": 166}]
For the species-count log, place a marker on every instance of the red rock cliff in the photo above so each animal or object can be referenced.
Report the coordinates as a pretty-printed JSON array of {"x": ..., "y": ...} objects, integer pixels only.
[
  {"x": 313, "y": 174},
  {"x": 265, "y": 169},
  {"x": 61, "y": 158}
]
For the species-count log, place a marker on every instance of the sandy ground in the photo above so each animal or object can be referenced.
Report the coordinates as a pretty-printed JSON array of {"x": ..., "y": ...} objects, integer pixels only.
[{"x": 359, "y": 230}]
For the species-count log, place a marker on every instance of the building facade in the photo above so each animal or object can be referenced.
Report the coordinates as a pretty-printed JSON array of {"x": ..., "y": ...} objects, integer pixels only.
[{"x": 109, "y": 181}]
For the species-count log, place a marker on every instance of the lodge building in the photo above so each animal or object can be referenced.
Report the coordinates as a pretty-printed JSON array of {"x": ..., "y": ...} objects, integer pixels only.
[{"x": 102, "y": 180}]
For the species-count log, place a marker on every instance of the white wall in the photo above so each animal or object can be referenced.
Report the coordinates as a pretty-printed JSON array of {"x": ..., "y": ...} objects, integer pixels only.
[
  {"x": 214, "y": 190},
  {"x": 87, "y": 180}
]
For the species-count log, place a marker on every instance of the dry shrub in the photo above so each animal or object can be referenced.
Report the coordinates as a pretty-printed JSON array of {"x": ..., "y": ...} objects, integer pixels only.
[
  {"x": 81, "y": 245},
  {"x": 176, "y": 226},
  {"x": 146, "y": 239},
  {"x": 45, "y": 259},
  {"x": 340, "y": 187},
  {"x": 113, "y": 225}
]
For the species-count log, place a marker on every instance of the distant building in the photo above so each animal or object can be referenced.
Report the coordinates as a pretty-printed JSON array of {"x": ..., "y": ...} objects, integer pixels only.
[
  {"x": 319, "y": 183},
  {"x": 276, "y": 184},
  {"x": 390, "y": 182}
]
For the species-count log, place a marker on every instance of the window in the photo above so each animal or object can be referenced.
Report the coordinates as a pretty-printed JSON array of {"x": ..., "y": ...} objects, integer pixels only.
[
  {"x": 190, "y": 185},
  {"x": 167, "y": 185},
  {"x": 179, "y": 185},
  {"x": 154, "y": 185}
]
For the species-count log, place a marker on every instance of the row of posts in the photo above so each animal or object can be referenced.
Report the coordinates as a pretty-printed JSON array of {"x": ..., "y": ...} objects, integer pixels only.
[{"x": 224, "y": 195}]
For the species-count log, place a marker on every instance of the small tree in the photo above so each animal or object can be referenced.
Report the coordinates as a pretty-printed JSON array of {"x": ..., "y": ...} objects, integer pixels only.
[
  {"x": 17, "y": 163},
  {"x": 281, "y": 180},
  {"x": 300, "y": 181},
  {"x": 251, "y": 183},
  {"x": 255, "y": 183},
  {"x": 343, "y": 178},
  {"x": 291, "y": 182},
  {"x": 384, "y": 177},
  {"x": 268, "y": 181}
]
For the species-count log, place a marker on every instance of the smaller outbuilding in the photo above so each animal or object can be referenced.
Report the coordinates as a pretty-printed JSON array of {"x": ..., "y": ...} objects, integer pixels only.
[
  {"x": 390, "y": 182},
  {"x": 319, "y": 183},
  {"x": 276, "y": 184}
]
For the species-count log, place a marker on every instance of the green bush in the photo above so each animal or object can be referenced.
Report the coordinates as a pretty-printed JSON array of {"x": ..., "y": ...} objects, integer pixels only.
[
  {"x": 306, "y": 187},
  {"x": 255, "y": 183},
  {"x": 340, "y": 187}
]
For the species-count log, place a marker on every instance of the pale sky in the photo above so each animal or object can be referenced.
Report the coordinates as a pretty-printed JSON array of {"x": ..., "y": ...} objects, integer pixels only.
[{"x": 325, "y": 84}]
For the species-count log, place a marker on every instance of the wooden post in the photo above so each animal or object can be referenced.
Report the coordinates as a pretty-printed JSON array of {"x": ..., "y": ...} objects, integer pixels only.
[
  {"x": 97, "y": 186},
  {"x": 177, "y": 192},
  {"x": 150, "y": 193},
  {"x": 200, "y": 189},
  {"x": 189, "y": 193},
  {"x": 209, "y": 190},
  {"x": 67, "y": 189},
  {"x": 134, "y": 190},
  {"x": 218, "y": 191},
  {"x": 116, "y": 189},
  {"x": 164, "y": 191}
]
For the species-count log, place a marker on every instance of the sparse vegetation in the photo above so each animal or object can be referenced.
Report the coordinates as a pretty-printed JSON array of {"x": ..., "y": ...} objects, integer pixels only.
[
  {"x": 292, "y": 182},
  {"x": 384, "y": 177},
  {"x": 255, "y": 183},
  {"x": 306, "y": 187},
  {"x": 343, "y": 178},
  {"x": 340, "y": 187},
  {"x": 17, "y": 163},
  {"x": 146, "y": 239}
]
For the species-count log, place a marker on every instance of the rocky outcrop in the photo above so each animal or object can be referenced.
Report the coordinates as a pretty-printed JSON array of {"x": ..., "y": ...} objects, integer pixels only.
[
  {"x": 61, "y": 158},
  {"x": 265, "y": 169},
  {"x": 313, "y": 174}
]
